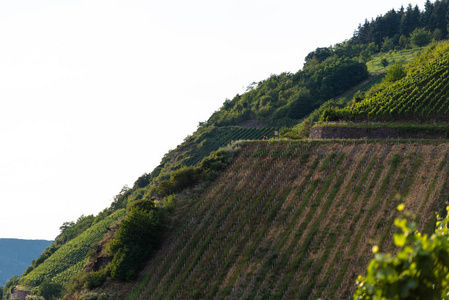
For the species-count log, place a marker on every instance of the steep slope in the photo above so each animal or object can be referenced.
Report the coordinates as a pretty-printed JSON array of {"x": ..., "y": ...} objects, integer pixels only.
[
  {"x": 286, "y": 220},
  {"x": 295, "y": 220},
  {"x": 419, "y": 96},
  {"x": 72, "y": 257},
  {"x": 16, "y": 255},
  {"x": 204, "y": 141}
]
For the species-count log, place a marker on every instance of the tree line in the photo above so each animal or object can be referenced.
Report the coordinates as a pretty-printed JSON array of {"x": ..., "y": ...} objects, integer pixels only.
[{"x": 394, "y": 25}]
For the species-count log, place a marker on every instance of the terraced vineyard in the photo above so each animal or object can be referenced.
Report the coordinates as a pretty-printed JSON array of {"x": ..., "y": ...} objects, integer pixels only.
[
  {"x": 204, "y": 141},
  {"x": 421, "y": 95},
  {"x": 71, "y": 258},
  {"x": 216, "y": 137},
  {"x": 295, "y": 220}
]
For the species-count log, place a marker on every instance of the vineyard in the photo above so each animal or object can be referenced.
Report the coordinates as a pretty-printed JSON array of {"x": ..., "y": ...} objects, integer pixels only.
[
  {"x": 71, "y": 258},
  {"x": 296, "y": 220},
  {"x": 421, "y": 95},
  {"x": 221, "y": 136},
  {"x": 206, "y": 140}
]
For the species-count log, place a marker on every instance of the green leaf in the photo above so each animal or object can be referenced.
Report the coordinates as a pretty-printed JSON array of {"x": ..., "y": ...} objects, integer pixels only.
[{"x": 399, "y": 239}]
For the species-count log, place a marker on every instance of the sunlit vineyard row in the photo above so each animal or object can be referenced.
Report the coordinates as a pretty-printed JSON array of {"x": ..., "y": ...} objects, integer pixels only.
[
  {"x": 421, "y": 95},
  {"x": 68, "y": 260},
  {"x": 221, "y": 136},
  {"x": 296, "y": 220}
]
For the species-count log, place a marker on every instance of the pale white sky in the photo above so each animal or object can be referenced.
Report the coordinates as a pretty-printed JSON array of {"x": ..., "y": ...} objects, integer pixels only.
[{"x": 93, "y": 93}]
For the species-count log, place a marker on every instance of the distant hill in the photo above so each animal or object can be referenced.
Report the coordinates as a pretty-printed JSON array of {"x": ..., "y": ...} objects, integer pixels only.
[{"x": 16, "y": 255}]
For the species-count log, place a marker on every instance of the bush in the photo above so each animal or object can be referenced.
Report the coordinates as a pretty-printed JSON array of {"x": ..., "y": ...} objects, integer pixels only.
[
  {"x": 420, "y": 37},
  {"x": 395, "y": 73},
  {"x": 169, "y": 203},
  {"x": 49, "y": 290},
  {"x": 138, "y": 236},
  {"x": 419, "y": 270}
]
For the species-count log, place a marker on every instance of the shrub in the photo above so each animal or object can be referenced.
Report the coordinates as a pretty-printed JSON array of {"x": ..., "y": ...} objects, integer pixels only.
[
  {"x": 420, "y": 37},
  {"x": 419, "y": 270},
  {"x": 395, "y": 72},
  {"x": 138, "y": 236},
  {"x": 49, "y": 290},
  {"x": 169, "y": 203}
]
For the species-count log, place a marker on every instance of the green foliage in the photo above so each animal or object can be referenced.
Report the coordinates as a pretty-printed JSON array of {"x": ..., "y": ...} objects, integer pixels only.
[
  {"x": 69, "y": 259},
  {"x": 95, "y": 296},
  {"x": 187, "y": 176},
  {"x": 353, "y": 96},
  {"x": 421, "y": 95},
  {"x": 34, "y": 297},
  {"x": 9, "y": 286},
  {"x": 247, "y": 232},
  {"x": 49, "y": 290},
  {"x": 283, "y": 99},
  {"x": 404, "y": 56},
  {"x": 403, "y": 42},
  {"x": 138, "y": 236},
  {"x": 388, "y": 44},
  {"x": 403, "y": 23},
  {"x": 420, "y": 37},
  {"x": 395, "y": 73},
  {"x": 169, "y": 203},
  {"x": 419, "y": 270},
  {"x": 70, "y": 230},
  {"x": 88, "y": 280},
  {"x": 200, "y": 145}
]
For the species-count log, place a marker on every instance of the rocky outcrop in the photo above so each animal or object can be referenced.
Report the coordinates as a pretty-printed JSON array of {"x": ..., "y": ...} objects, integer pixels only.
[
  {"x": 369, "y": 133},
  {"x": 20, "y": 294}
]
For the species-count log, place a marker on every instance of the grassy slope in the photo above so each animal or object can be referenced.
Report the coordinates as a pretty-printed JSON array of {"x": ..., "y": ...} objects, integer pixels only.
[
  {"x": 377, "y": 71},
  {"x": 204, "y": 141},
  {"x": 71, "y": 258},
  {"x": 403, "y": 56},
  {"x": 293, "y": 220},
  {"x": 420, "y": 96}
]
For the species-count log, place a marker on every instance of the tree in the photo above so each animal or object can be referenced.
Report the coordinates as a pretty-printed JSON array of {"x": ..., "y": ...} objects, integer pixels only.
[
  {"x": 320, "y": 53},
  {"x": 372, "y": 48},
  {"x": 403, "y": 42},
  {"x": 420, "y": 37},
  {"x": 409, "y": 20},
  {"x": 395, "y": 72},
  {"x": 388, "y": 44},
  {"x": 365, "y": 56},
  {"x": 384, "y": 62},
  {"x": 419, "y": 270},
  {"x": 142, "y": 181},
  {"x": 437, "y": 34},
  {"x": 49, "y": 290},
  {"x": 138, "y": 236}
]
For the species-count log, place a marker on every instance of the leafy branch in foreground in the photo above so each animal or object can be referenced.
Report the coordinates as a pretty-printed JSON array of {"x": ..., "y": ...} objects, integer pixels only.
[{"x": 419, "y": 270}]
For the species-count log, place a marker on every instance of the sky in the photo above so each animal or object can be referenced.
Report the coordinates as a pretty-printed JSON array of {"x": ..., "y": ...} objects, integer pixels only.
[{"x": 93, "y": 93}]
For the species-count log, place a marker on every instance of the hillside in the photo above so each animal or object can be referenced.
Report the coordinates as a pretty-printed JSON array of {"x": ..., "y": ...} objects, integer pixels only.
[
  {"x": 419, "y": 95},
  {"x": 228, "y": 215},
  {"x": 295, "y": 220},
  {"x": 16, "y": 255}
]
